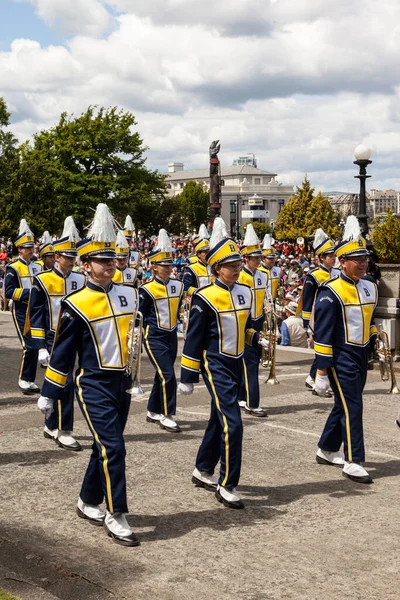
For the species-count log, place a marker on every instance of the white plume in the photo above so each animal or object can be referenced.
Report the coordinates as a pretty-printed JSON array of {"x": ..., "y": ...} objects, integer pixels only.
[
  {"x": 70, "y": 231},
  {"x": 267, "y": 241},
  {"x": 46, "y": 238},
  {"x": 129, "y": 224},
  {"x": 102, "y": 228},
  {"x": 319, "y": 237},
  {"x": 163, "y": 243},
  {"x": 251, "y": 238},
  {"x": 24, "y": 228},
  {"x": 352, "y": 229},
  {"x": 121, "y": 242},
  {"x": 219, "y": 232},
  {"x": 203, "y": 233}
]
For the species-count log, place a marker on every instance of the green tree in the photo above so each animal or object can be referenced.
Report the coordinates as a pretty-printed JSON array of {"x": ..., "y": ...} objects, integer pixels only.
[
  {"x": 290, "y": 222},
  {"x": 304, "y": 213},
  {"x": 260, "y": 228},
  {"x": 321, "y": 214},
  {"x": 194, "y": 200},
  {"x": 96, "y": 157},
  {"x": 9, "y": 164},
  {"x": 386, "y": 239}
]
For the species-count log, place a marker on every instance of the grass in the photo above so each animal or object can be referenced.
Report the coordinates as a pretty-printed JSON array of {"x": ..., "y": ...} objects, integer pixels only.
[{"x": 6, "y": 596}]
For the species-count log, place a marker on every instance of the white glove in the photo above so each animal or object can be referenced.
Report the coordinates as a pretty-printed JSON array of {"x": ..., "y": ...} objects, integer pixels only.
[
  {"x": 45, "y": 405},
  {"x": 321, "y": 385},
  {"x": 186, "y": 388},
  {"x": 264, "y": 343},
  {"x": 44, "y": 357}
]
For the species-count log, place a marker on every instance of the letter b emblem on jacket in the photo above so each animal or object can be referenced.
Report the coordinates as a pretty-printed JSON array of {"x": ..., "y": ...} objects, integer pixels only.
[{"x": 123, "y": 301}]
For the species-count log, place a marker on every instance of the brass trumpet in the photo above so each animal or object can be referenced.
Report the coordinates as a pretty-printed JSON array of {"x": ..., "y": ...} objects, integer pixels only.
[
  {"x": 135, "y": 335},
  {"x": 184, "y": 312},
  {"x": 386, "y": 361},
  {"x": 270, "y": 332}
]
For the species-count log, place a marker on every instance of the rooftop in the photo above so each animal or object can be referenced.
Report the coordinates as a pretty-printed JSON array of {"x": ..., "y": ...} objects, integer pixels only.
[{"x": 225, "y": 172}]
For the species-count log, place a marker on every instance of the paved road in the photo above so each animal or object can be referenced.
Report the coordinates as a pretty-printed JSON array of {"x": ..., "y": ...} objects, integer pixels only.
[{"x": 307, "y": 533}]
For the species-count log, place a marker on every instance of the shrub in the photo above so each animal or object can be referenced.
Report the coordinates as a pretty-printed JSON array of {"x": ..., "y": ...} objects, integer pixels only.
[{"x": 386, "y": 239}]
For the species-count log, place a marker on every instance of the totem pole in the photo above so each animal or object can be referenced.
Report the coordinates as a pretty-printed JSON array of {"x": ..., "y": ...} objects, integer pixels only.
[{"x": 215, "y": 182}]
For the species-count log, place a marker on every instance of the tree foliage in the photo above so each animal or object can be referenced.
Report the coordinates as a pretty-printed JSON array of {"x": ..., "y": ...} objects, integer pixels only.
[
  {"x": 386, "y": 239},
  {"x": 260, "y": 228},
  {"x": 9, "y": 164},
  {"x": 194, "y": 203},
  {"x": 70, "y": 168},
  {"x": 304, "y": 213}
]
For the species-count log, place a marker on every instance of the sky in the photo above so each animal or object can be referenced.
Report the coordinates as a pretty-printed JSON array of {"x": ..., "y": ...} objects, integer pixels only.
[{"x": 299, "y": 83}]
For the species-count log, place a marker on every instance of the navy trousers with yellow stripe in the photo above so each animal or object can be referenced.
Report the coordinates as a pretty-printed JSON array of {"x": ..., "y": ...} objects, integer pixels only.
[
  {"x": 28, "y": 367},
  {"x": 105, "y": 406},
  {"x": 344, "y": 423},
  {"x": 224, "y": 433},
  {"x": 162, "y": 349},
  {"x": 63, "y": 416},
  {"x": 251, "y": 388}
]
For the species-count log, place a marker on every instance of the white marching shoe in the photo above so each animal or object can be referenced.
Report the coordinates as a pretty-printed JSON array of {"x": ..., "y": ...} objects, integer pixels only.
[
  {"x": 66, "y": 440},
  {"x": 118, "y": 529},
  {"x": 242, "y": 403},
  {"x": 356, "y": 472},
  {"x": 334, "y": 459},
  {"x": 28, "y": 387},
  {"x": 90, "y": 512},
  {"x": 169, "y": 424},
  {"x": 153, "y": 417},
  {"x": 50, "y": 434},
  {"x": 204, "y": 480},
  {"x": 229, "y": 498},
  {"x": 309, "y": 383}
]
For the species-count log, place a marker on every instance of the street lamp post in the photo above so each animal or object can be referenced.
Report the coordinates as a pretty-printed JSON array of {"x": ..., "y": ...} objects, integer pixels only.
[
  {"x": 237, "y": 224},
  {"x": 362, "y": 155}
]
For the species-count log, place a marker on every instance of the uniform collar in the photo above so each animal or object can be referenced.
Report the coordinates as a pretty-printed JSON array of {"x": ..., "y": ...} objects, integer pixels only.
[
  {"x": 123, "y": 268},
  {"x": 347, "y": 278},
  {"x": 202, "y": 263},
  {"x": 325, "y": 268},
  {"x": 24, "y": 262},
  {"x": 222, "y": 285},
  {"x": 247, "y": 270},
  {"x": 160, "y": 281},
  {"x": 99, "y": 288},
  {"x": 60, "y": 273}
]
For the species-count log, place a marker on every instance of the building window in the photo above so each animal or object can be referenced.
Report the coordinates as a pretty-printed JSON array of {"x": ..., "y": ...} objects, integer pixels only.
[
  {"x": 222, "y": 182},
  {"x": 281, "y": 204},
  {"x": 257, "y": 180},
  {"x": 233, "y": 206}
]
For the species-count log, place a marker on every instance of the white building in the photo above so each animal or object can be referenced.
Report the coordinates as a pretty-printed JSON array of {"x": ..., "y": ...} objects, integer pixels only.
[
  {"x": 379, "y": 201},
  {"x": 248, "y": 193}
]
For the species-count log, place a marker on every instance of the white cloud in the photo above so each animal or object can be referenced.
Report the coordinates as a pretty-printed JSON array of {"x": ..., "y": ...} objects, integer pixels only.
[
  {"x": 301, "y": 92},
  {"x": 88, "y": 17}
]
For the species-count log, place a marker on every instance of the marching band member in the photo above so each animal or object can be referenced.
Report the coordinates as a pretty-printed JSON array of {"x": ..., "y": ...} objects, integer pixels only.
[
  {"x": 257, "y": 280},
  {"x": 134, "y": 256},
  {"x": 49, "y": 288},
  {"x": 46, "y": 253},
  {"x": 219, "y": 327},
  {"x": 344, "y": 324},
  {"x": 197, "y": 274},
  {"x": 18, "y": 284},
  {"x": 159, "y": 302},
  {"x": 268, "y": 266},
  {"x": 94, "y": 322},
  {"x": 195, "y": 239},
  {"x": 324, "y": 248},
  {"x": 124, "y": 273}
]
